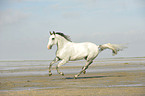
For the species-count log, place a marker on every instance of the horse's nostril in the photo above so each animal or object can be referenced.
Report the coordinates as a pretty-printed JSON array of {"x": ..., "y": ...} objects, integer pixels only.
[{"x": 49, "y": 47}]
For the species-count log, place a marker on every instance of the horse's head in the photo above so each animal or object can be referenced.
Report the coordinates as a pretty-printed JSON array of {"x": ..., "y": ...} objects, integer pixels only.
[{"x": 52, "y": 40}]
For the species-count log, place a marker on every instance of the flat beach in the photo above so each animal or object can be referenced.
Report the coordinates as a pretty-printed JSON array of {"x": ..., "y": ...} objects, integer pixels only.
[{"x": 105, "y": 77}]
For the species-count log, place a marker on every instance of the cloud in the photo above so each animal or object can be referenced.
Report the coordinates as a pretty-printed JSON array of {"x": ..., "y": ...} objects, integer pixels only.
[{"x": 12, "y": 16}]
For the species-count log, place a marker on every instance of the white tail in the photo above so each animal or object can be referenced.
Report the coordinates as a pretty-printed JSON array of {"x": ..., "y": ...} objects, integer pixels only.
[{"x": 114, "y": 47}]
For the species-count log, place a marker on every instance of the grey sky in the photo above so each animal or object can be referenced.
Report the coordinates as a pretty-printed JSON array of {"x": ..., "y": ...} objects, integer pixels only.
[{"x": 25, "y": 25}]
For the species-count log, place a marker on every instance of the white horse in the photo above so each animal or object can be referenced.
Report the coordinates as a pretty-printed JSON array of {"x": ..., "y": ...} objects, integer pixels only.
[{"x": 70, "y": 51}]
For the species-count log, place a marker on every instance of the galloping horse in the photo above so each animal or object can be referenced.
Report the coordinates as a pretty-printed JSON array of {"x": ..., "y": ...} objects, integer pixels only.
[{"x": 70, "y": 51}]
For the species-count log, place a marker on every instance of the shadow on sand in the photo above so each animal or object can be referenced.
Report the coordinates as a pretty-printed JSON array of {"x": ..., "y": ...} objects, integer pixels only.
[{"x": 89, "y": 77}]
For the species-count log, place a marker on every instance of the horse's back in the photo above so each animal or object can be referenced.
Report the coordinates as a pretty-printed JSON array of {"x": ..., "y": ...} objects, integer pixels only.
[
  {"x": 90, "y": 46},
  {"x": 83, "y": 50}
]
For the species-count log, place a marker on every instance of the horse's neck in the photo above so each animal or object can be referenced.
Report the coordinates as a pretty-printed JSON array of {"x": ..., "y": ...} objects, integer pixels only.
[{"x": 61, "y": 43}]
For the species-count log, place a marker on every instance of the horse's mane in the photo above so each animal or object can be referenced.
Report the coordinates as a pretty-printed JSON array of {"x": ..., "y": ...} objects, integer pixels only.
[{"x": 65, "y": 36}]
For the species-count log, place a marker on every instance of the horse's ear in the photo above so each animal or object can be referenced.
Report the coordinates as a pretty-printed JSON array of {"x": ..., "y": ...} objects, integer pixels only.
[
  {"x": 50, "y": 32},
  {"x": 53, "y": 32}
]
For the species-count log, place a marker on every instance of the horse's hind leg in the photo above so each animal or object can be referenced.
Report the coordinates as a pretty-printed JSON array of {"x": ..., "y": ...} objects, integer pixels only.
[{"x": 84, "y": 68}]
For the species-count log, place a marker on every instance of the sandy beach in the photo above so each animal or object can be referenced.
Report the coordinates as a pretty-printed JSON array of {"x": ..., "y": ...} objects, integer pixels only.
[{"x": 105, "y": 77}]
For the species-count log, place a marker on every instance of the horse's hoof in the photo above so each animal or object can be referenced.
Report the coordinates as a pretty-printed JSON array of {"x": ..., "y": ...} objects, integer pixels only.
[
  {"x": 50, "y": 74},
  {"x": 76, "y": 76}
]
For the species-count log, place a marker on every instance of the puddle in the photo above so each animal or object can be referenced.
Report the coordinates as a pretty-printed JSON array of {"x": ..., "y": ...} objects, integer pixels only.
[
  {"x": 32, "y": 88},
  {"x": 29, "y": 88},
  {"x": 99, "y": 86},
  {"x": 129, "y": 85}
]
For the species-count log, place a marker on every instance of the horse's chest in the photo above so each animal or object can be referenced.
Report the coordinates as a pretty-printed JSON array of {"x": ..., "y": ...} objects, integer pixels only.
[{"x": 61, "y": 54}]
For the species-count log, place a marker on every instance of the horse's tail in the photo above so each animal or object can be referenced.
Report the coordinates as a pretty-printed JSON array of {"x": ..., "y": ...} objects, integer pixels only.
[{"x": 114, "y": 47}]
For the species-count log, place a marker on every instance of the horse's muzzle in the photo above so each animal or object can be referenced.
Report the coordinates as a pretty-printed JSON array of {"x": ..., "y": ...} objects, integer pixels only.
[{"x": 49, "y": 46}]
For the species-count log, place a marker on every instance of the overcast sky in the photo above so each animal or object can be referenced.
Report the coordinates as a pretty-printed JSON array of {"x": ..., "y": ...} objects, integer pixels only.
[{"x": 25, "y": 26}]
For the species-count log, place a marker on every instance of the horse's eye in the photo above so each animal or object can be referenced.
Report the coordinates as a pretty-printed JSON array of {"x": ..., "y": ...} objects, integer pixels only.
[{"x": 53, "y": 38}]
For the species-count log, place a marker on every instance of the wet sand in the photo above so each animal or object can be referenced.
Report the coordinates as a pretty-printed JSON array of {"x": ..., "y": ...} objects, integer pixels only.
[{"x": 127, "y": 79}]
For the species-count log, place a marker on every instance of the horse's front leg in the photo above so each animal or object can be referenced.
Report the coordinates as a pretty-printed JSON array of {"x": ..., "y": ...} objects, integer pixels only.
[
  {"x": 60, "y": 64},
  {"x": 54, "y": 61}
]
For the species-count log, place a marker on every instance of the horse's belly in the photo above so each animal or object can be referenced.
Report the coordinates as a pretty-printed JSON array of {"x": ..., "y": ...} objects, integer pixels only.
[{"x": 78, "y": 56}]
